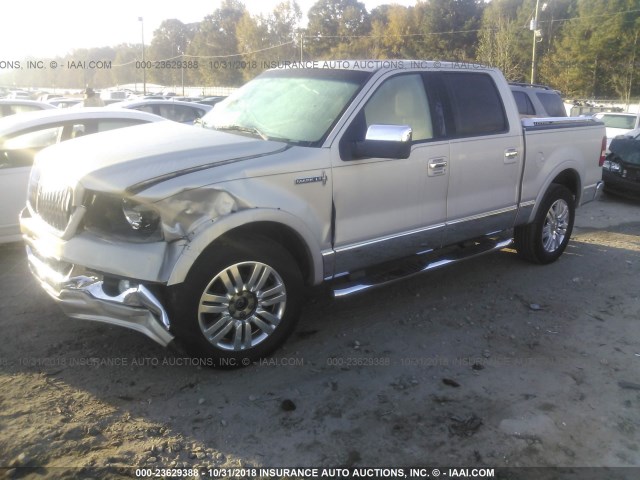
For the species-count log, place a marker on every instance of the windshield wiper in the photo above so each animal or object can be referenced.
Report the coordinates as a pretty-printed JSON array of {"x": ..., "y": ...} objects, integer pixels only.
[
  {"x": 257, "y": 132},
  {"x": 243, "y": 129}
]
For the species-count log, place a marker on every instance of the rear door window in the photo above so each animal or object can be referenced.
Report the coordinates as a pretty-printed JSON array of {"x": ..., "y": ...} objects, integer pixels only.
[{"x": 476, "y": 104}]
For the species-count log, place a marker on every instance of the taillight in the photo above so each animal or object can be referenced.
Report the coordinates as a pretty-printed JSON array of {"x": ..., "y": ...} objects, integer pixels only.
[{"x": 603, "y": 151}]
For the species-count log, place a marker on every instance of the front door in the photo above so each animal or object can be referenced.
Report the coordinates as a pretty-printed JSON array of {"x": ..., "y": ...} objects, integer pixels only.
[{"x": 390, "y": 208}]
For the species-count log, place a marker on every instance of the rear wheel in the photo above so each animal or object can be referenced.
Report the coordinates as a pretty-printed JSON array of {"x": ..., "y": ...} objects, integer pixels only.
[
  {"x": 240, "y": 302},
  {"x": 544, "y": 240}
]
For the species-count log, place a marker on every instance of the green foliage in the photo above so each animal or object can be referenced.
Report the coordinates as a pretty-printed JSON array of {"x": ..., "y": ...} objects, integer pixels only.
[
  {"x": 585, "y": 48},
  {"x": 170, "y": 43},
  {"x": 596, "y": 53},
  {"x": 334, "y": 28},
  {"x": 450, "y": 28}
]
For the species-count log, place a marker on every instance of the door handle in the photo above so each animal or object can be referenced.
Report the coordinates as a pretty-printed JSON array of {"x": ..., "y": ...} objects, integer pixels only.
[
  {"x": 437, "y": 166},
  {"x": 511, "y": 155}
]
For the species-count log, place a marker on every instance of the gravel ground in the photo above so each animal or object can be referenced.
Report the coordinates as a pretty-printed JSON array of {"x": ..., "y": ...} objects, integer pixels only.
[{"x": 490, "y": 363}]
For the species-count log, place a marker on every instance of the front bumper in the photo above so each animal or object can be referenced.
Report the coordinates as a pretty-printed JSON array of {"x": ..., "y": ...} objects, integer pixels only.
[
  {"x": 81, "y": 294},
  {"x": 620, "y": 185}
]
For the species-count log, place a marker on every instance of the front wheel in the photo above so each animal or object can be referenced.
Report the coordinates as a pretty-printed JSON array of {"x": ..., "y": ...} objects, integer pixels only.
[
  {"x": 544, "y": 240},
  {"x": 240, "y": 302}
]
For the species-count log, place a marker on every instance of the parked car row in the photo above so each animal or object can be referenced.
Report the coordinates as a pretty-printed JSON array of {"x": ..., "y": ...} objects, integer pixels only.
[
  {"x": 45, "y": 100},
  {"x": 176, "y": 110}
]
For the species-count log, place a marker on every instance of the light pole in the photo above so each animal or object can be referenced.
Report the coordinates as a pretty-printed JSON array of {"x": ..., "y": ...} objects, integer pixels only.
[
  {"x": 144, "y": 69},
  {"x": 534, "y": 27}
]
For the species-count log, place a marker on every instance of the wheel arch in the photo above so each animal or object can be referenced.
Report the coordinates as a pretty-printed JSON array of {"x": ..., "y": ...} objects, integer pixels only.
[
  {"x": 276, "y": 225},
  {"x": 281, "y": 234},
  {"x": 568, "y": 177}
]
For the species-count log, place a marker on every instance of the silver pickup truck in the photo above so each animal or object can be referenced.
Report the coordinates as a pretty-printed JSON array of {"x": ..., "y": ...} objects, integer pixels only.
[{"x": 358, "y": 174}]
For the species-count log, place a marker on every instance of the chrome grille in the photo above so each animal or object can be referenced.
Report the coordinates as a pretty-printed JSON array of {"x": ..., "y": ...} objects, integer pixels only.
[{"x": 53, "y": 205}]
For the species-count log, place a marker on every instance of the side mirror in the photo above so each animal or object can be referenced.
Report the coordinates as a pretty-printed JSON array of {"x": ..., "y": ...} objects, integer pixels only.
[{"x": 385, "y": 141}]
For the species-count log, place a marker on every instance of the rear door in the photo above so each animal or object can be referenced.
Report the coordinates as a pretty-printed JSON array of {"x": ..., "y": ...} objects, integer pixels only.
[{"x": 486, "y": 155}]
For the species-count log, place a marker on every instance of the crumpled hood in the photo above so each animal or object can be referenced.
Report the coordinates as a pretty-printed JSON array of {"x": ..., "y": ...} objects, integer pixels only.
[
  {"x": 118, "y": 159},
  {"x": 626, "y": 149}
]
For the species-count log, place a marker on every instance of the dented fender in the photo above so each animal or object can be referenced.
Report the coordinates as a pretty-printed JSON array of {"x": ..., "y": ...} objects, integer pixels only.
[{"x": 205, "y": 235}]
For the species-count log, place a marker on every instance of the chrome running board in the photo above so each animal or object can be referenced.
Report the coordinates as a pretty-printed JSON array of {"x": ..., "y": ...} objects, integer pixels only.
[{"x": 416, "y": 265}]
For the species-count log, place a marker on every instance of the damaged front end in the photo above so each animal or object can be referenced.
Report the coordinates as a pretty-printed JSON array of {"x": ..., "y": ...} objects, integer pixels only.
[
  {"x": 109, "y": 256},
  {"x": 89, "y": 295}
]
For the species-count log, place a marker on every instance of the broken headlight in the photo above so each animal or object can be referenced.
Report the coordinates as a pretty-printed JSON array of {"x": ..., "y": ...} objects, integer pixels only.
[
  {"x": 123, "y": 219},
  {"x": 139, "y": 216},
  {"x": 611, "y": 166}
]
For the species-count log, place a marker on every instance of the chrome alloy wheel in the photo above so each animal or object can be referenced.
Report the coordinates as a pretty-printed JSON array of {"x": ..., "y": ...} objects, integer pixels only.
[
  {"x": 242, "y": 306},
  {"x": 555, "y": 226}
]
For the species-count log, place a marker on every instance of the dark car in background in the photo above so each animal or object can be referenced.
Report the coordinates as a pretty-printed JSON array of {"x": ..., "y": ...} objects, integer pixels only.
[
  {"x": 210, "y": 100},
  {"x": 621, "y": 168}
]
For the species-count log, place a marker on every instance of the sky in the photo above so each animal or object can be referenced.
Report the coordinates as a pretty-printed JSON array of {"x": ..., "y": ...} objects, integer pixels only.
[{"x": 44, "y": 29}]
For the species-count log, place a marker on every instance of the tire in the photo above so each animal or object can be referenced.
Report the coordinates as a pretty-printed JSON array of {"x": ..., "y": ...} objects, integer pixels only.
[
  {"x": 544, "y": 240},
  {"x": 239, "y": 302}
]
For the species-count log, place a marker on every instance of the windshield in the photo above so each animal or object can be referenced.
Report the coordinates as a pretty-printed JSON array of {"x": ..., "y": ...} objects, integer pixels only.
[{"x": 295, "y": 106}]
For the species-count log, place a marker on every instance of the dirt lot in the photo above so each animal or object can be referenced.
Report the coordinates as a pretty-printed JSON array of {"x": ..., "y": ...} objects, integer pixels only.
[{"x": 493, "y": 362}]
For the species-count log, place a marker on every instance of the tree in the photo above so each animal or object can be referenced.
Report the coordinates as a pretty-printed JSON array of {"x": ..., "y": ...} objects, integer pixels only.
[
  {"x": 124, "y": 70},
  {"x": 499, "y": 37},
  {"x": 335, "y": 25},
  {"x": 449, "y": 28},
  {"x": 394, "y": 31},
  {"x": 496, "y": 46},
  {"x": 216, "y": 43},
  {"x": 284, "y": 29},
  {"x": 622, "y": 79},
  {"x": 506, "y": 41},
  {"x": 252, "y": 34},
  {"x": 170, "y": 42},
  {"x": 596, "y": 53}
]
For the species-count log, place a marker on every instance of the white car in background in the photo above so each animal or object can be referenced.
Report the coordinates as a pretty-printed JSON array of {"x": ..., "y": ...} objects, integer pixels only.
[
  {"x": 175, "y": 110},
  {"x": 618, "y": 123},
  {"x": 64, "y": 102},
  {"x": 10, "y": 107},
  {"x": 24, "y": 135}
]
